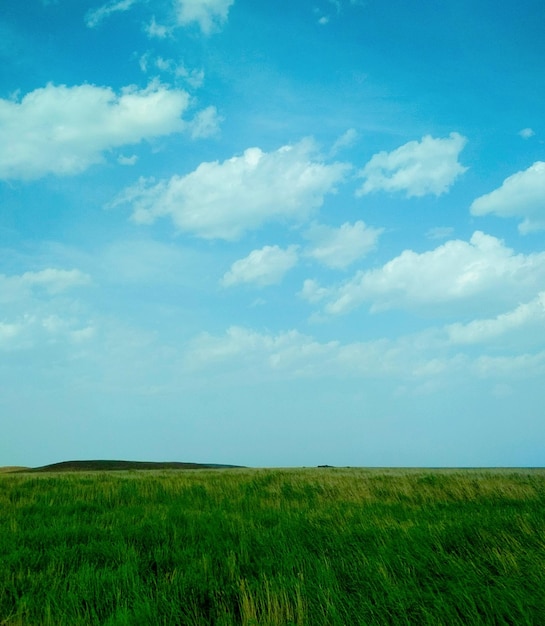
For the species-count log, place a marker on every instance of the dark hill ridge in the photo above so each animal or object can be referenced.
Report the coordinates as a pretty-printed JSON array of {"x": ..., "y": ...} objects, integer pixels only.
[{"x": 108, "y": 466}]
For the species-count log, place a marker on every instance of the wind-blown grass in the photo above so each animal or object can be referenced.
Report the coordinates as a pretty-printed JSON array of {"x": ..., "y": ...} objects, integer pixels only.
[{"x": 319, "y": 547}]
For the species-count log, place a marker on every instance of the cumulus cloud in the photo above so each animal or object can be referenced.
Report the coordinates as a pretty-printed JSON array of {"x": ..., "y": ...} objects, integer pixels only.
[
  {"x": 339, "y": 247},
  {"x": 210, "y": 15},
  {"x": 63, "y": 130},
  {"x": 482, "y": 272},
  {"x": 520, "y": 195},
  {"x": 266, "y": 266},
  {"x": 95, "y": 16},
  {"x": 224, "y": 200},
  {"x": 429, "y": 166}
]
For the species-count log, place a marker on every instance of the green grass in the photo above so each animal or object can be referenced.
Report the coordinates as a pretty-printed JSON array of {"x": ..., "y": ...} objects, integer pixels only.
[{"x": 267, "y": 547}]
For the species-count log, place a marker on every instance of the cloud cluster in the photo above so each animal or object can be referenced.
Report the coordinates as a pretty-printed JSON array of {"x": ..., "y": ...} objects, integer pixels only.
[
  {"x": 225, "y": 200},
  {"x": 193, "y": 77},
  {"x": 289, "y": 350},
  {"x": 63, "y": 130},
  {"x": 412, "y": 358},
  {"x": 520, "y": 195},
  {"x": 481, "y": 272},
  {"x": 209, "y": 15},
  {"x": 418, "y": 168}
]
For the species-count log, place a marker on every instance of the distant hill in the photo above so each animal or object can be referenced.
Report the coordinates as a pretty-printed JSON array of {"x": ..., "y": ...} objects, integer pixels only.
[{"x": 108, "y": 466}]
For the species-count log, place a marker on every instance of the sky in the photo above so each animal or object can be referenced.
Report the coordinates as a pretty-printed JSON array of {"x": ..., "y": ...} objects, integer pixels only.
[{"x": 273, "y": 233}]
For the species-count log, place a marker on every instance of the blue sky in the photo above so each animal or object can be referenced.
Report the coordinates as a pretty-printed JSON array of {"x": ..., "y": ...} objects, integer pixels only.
[{"x": 273, "y": 234}]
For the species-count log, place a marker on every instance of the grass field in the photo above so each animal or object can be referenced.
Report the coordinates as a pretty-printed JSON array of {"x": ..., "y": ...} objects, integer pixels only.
[{"x": 317, "y": 547}]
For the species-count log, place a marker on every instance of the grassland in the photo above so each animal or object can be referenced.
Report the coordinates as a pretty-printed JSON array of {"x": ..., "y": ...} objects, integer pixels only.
[{"x": 317, "y": 547}]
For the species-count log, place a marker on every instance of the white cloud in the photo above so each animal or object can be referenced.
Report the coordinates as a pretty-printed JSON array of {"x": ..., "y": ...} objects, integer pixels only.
[
  {"x": 418, "y": 168},
  {"x": 210, "y": 15},
  {"x": 339, "y": 247},
  {"x": 346, "y": 140},
  {"x": 33, "y": 329},
  {"x": 124, "y": 160},
  {"x": 224, "y": 200},
  {"x": 482, "y": 272},
  {"x": 510, "y": 366},
  {"x": 206, "y": 123},
  {"x": 312, "y": 292},
  {"x": 95, "y": 16},
  {"x": 32, "y": 312},
  {"x": 266, "y": 266},
  {"x": 194, "y": 78},
  {"x": 288, "y": 350},
  {"x": 440, "y": 232},
  {"x": 526, "y": 133},
  {"x": 293, "y": 354},
  {"x": 159, "y": 31},
  {"x": 63, "y": 130},
  {"x": 52, "y": 281},
  {"x": 520, "y": 195},
  {"x": 483, "y": 330},
  {"x": 9, "y": 334}
]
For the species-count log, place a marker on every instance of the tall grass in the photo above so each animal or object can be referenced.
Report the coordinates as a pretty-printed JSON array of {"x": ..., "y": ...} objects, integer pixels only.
[{"x": 268, "y": 547}]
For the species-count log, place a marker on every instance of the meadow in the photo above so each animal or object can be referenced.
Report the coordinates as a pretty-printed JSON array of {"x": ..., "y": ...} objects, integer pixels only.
[{"x": 316, "y": 547}]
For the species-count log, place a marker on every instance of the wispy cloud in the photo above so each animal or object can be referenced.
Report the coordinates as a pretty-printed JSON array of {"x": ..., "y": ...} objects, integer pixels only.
[
  {"x": 95, "y": 16},
  {"x": 440, "y": 232},
  {"x": 346, "y": 140},
  {"x": 206, "y": 123}
]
